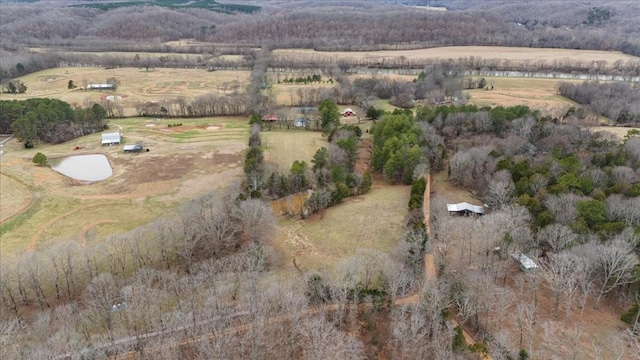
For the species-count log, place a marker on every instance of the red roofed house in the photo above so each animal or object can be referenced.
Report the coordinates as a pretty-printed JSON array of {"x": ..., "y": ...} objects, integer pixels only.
[{"x": 269, "y": 118}]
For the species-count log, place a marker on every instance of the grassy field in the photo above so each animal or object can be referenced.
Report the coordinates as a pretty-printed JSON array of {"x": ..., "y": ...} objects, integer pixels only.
[
  {"x": 130, "y": 55},
  {"x": 54, "y": 207},
  {"x": 283, "y": 147},
  {"x": 514, "y": 54},
  {"x": 538, "y": 94},
  {"x": 374, "y": 221},
  {"x": 135, "y": 85}
]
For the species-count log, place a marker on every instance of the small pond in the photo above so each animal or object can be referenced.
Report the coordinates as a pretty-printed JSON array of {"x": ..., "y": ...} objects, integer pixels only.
[{"x": 83, "y": 167}]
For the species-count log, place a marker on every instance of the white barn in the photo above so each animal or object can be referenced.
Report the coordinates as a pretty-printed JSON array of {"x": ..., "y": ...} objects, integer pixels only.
[{"x": 113, "y": 138}]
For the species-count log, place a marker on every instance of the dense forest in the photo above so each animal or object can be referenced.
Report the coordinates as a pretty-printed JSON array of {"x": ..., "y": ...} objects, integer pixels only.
[{"x": 49, "y": 120}]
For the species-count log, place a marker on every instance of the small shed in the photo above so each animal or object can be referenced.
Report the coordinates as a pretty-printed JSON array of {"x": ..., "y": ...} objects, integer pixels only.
[
  {"x": 136, "y": 148},
  {"x": 525, "y": 263},
  {"x": 113, "y": 138},
  {"x": 101, "y": 86},
  {"x": 465, "y": 208},
  {"x": 348, "y": 112}
]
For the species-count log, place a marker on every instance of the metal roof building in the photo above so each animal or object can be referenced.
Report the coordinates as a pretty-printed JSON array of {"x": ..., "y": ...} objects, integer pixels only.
[
  {"x": 465, "y": 208},
  {"x": 113, "y": 138},
  {"x": 525, "y": 263}
]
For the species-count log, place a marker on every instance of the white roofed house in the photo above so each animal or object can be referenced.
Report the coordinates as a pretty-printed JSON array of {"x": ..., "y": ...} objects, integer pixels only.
[
  {"x": 465, "y": 208},
  {"x": 112, "y": 138}
]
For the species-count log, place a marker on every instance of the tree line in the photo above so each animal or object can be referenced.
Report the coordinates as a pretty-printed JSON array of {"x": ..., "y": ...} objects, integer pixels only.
[
  {"x": 620, "y": 102},
  {"x": 49, "y": 120}
]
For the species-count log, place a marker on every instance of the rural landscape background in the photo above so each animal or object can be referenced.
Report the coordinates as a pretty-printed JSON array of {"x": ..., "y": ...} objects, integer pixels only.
[{"x": 290, "y": 199}]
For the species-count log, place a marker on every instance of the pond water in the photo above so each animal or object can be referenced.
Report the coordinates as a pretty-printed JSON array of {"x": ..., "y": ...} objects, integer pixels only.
[{"x": 94, "y": 167}]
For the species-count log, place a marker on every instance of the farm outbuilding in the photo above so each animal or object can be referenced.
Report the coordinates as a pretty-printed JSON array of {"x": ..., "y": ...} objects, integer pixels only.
[
  {"x": 113, "y": 138},
  {"x": 101, "y": 87},
  {"x": 348, "y": 112},
  {"x": 465, "y": 208},
  {"x": 132, "y": 148},
  {"x": 525, "y": 263}
]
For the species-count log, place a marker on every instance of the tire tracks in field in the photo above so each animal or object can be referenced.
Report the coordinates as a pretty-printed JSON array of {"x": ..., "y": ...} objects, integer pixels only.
[
  {"x": 29, "y": 200},
  {"x": 42, "y": 228}
]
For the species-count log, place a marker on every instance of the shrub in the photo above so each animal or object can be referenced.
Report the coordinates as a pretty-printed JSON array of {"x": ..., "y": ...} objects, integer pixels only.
[{"x": 40, "y": 159}]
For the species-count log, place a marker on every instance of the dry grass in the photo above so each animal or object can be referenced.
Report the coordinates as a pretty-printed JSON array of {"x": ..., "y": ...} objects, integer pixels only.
[
  {"x": 136, "y": 85},
  {"x": 515, "y": 54},
  {"x": 283, "y": 147},
  {"x": 538, "y": 94},
  {"x": 619, "y": 132},
  {"x": 183, "y": 162},
  {"x": 14, "y": 197},
  {"x": 374, "y": 221},
  {"x": 287, "y": 94}
]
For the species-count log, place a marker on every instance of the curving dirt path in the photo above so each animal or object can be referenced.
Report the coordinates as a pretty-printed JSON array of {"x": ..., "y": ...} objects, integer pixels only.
[
  {"x": 42, "y": 228},
  {"x": 85, "y": 230},
  {"x": 24, "y": 205}
]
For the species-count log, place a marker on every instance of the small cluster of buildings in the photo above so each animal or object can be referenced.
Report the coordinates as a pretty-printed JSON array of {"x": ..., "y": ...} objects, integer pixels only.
[
  {"x": 525, "y": 263},
  {"x": 115, "y": 138}
]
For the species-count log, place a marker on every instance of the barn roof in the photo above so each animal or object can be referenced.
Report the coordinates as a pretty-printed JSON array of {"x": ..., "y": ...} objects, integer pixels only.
[
  {"x": 113, "y": 137},
  {"x": 464, "y": 206},
  {"x": 132, "y": 147}
]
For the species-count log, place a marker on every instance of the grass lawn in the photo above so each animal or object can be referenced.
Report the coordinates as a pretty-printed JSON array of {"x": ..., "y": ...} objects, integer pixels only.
[{"x": 283, "y": 147}]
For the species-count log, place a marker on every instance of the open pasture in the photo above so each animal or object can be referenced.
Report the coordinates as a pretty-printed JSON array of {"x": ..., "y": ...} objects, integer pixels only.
[
  {"x": 135, "y": 85},
  {"x": 283, "y": 147},
  {"x": 291, "y": 94},
  {"x": 518, "y": 55},
  {"x": 143, "y": 56},
  {"x": 183, "y": 162},
  {"x": 374, "y": 221},
  {"x": 538, "y": 94}
]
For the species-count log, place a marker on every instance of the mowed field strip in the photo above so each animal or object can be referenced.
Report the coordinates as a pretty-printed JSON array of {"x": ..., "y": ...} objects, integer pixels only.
[{"x": 513, "y": 54}]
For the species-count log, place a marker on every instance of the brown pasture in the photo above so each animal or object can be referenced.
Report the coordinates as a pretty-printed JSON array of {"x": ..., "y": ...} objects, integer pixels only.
[
  {"x": 514, "y": 54},
  {"x": 135, "y": 85},
  {"x": 183, "y": 162},
  {"x": 538, "y": 94},
  {"x": 374, "y": 221}
]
